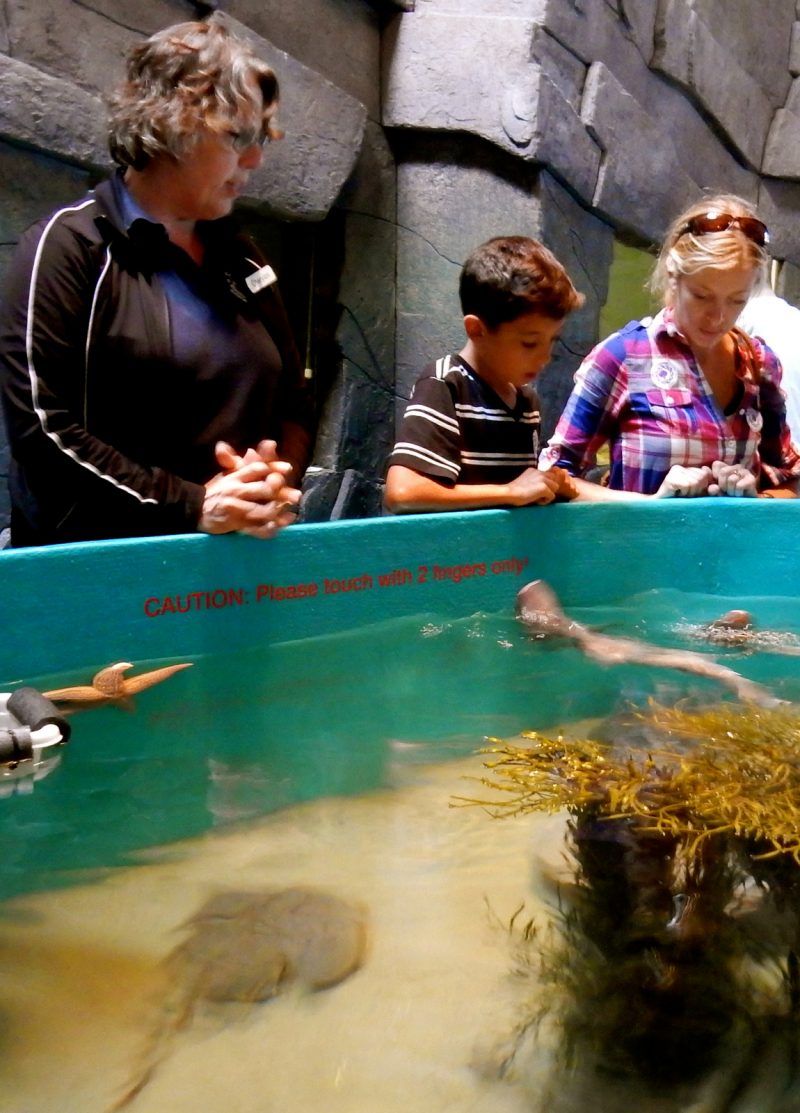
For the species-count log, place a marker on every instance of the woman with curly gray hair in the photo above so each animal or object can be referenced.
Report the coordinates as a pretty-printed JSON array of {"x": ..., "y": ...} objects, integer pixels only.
[
  {"x": 150, "y": 382},
  {"x": 185, "y": 79}
]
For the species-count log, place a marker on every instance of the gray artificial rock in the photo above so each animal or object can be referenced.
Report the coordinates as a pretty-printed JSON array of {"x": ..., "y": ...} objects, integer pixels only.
[
  {"x": 331, "y": 422},
  {"x": 356, "y": 423},
  {"x": 603, "y": 30},
  {"x": 758, "y": 35},
  {"x": 368, "y": 409},
  {"x": 735, "y": 99},
  {"x": 344, "y": 46},
  {"x": 33, "y": 185},
  {"x": 423, "y": 88},
  {"x": 698, "y": 148},
  {"x": 371, "y": 190},
  {"x": 365, "y": 332},
  {"x": 640, "y": 18},
  {"x": 584, "y": 244},
  {"x": 788, "y": 284},
  {"x": 699, "y": 151},
  {"x": 782, "y": 152},
  {"x": 546, "y": 129},
  {"x": 357, "y": 497},
  {"x": 451, "y": 196},
  {"x": 302, "y": 175},
  {"x": 503, "y": 97},
  {"x": 794, "y": 50},
  {"x": 752, "y": 36},
  {"x": 741, "y": 102},
  {"x": 641, "y": 195},
  {"x": 101, "y": 20},
  {"x": 320, "y": 488},
  {"x": 603, "y": 33},
  {"x": 523, "y": 9},
  {"x": 367, "y": 288},
  {"x": 51, "y": 114},
  {"x": 331, "y": 495},
  {"x": 356, "y": 426},
  {"x": 778, "y": 205},
  {"x": 564, "y": 68},
  {"x": 674, "y": 36},
  {"x": 79, "y": 42}
]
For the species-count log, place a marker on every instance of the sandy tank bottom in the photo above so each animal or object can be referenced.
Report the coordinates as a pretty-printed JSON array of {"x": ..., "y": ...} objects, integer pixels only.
[{"x": 82, "y": 990}]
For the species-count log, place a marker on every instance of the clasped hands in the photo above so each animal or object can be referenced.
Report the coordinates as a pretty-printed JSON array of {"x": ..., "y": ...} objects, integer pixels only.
[
  {"x": 720, "y": 479},
  {"x": 251, "y": 494}
]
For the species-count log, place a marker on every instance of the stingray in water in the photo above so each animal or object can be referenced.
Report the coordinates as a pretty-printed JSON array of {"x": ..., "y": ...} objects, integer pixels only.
[
  {"x": 248, "y": 947},
  {"x": 540, "y": 611}
]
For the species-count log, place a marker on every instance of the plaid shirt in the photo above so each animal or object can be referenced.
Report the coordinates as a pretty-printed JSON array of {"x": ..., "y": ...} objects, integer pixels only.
[{"x": 643, "y": 392}]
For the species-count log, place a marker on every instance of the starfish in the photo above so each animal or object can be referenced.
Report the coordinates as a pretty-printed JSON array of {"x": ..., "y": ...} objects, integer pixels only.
[
  {"x": 110, "y": 684},
  {"x": 737, "y": 630}
]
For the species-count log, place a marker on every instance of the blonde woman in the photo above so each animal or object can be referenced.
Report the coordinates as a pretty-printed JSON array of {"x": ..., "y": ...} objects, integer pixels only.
[{"x": 687, "y": 402}]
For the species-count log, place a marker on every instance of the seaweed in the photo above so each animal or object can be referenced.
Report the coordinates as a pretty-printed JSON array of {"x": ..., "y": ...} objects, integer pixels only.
[
  {"x": 682, "y": 931},
  {"x": 725, "y": 769}
]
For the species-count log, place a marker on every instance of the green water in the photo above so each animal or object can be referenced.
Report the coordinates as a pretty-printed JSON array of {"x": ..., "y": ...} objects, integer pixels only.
[{"x": 240, "y": 735}]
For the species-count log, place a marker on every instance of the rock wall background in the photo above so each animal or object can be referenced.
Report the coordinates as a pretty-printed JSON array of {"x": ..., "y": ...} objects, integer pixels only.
[
  {"x": 415, "y": 129},
  {"x": 603, "y": 118}
]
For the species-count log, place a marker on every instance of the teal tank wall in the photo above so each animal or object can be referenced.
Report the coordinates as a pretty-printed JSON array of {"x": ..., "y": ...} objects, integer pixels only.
[{"x": 76, "y": 606}]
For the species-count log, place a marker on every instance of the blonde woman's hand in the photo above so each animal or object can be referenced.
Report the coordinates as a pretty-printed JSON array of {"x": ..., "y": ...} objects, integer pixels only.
[
  {"x": 733, "y": 480},
  {"x": 685, "y": 483}
]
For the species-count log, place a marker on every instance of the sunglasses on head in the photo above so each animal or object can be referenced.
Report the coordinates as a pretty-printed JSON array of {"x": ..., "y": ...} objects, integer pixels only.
[{"x": 749, "y": 226}]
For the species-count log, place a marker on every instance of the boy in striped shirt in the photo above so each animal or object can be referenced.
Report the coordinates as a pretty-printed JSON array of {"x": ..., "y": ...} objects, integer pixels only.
[{"x": 469, "y": 438}]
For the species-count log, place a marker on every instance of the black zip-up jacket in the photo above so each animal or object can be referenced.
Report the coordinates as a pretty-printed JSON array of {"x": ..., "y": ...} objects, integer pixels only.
[{"x": 109, "y": 437}]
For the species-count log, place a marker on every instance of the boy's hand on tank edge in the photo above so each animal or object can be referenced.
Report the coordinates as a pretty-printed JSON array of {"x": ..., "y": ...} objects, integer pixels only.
[{"x": 535, "y": 487}]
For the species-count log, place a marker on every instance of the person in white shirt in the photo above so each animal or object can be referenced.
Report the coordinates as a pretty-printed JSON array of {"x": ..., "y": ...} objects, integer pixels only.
[{"x": 777, "y": 322}]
